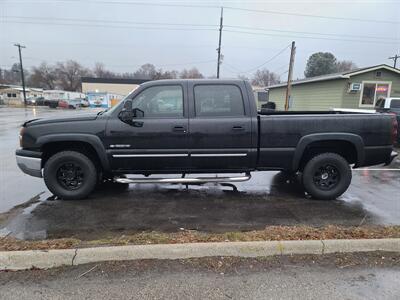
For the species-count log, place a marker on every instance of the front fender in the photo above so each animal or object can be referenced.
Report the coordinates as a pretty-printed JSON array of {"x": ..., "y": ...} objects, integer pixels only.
[
  {"x": 306, "y": 140},
  {"x": 91, "y": 139}
]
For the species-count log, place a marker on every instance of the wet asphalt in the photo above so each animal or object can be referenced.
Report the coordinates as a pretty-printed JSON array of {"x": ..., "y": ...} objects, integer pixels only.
[{"x": 28, "y": 210}]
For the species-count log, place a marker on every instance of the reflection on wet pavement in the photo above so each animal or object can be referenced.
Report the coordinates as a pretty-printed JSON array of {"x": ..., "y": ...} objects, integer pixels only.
[
  {"x": 269, "y": 198},
  {"x": 170, "y": 208}
]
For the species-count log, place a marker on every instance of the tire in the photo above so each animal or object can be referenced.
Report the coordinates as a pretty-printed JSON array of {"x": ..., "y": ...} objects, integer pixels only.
[
  {"x": 70, "y": 175},
  {"x": 326, "y": 176}
]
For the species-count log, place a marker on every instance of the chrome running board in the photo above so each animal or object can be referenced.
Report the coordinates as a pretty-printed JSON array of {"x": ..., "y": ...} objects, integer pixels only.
[{"x": 198, "y": 180}]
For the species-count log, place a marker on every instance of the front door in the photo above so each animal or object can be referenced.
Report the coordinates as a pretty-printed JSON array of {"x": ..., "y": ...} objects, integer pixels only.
[
  {"x": 157, "y": 140},
  {"x": 220, "y": 127}
]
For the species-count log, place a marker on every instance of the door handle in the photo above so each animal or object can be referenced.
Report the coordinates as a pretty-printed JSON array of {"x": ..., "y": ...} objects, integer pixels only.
[
  {"x": 237, "y": 128},
  {"x": 179, "y": 129}
]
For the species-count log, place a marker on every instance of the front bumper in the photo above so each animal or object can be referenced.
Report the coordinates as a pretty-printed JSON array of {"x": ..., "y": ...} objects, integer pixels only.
[{"x": 29, "y": 162}]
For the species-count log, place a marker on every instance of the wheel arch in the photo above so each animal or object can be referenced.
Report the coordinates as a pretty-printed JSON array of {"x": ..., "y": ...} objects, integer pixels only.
[
  {"x": 354, "y": 141},
  {"x": 90, "y": 143}
]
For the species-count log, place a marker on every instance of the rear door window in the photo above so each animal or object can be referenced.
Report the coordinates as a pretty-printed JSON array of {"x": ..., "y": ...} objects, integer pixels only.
[
  {"x": 395, "y": 103},
  {"x": 218, "y": 100}
]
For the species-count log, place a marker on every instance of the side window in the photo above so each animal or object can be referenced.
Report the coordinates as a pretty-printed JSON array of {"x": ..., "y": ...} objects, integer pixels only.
[
  {"x": 395, "y": 103},
  {"x": 218, "y": 100},
  {"x": 160, "y": 101}
]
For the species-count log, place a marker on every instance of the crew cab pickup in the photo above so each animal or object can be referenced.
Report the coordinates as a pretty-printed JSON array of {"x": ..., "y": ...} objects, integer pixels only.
[{"x": 202, "y": 126}]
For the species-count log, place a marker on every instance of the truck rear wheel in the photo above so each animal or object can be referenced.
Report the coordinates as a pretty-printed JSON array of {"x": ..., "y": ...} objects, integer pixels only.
[
  {"x": 70, "y": 175},
  {"x": 326, "y": 176}
]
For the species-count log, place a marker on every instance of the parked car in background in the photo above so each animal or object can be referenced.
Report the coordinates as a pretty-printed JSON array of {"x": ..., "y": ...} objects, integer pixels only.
[
  {"x": 52, "y": 103},
  {"x": 37, "y": 101},
  {"x": 71, "y": 103},
  {"x": 392, "y": 106},
  {"x": 85, "y": 103}
]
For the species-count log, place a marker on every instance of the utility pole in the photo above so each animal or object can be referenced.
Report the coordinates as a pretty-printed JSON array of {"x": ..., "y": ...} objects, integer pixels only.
[
  {"x": 290, "y": 74},
  {"x": 22, "y": 71},
  {"x": 394, "y": 58},
  {"x": 219, "y": 42}
]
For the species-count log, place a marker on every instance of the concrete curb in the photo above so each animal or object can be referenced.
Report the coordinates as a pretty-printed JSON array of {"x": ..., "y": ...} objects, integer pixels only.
[{"x": 22, "y": 260}]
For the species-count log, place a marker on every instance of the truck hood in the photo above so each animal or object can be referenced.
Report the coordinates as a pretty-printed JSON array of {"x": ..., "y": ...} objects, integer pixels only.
[{"x": 85, "y": 117}]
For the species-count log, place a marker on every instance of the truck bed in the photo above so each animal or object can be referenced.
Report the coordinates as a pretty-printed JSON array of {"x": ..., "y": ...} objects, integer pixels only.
[{"x": 281, "y": 134}]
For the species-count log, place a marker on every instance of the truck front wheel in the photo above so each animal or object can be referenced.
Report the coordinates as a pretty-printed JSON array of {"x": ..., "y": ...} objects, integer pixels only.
[
  {"x": 70, "y": 175},
  {"x": 326, "y": 176}
]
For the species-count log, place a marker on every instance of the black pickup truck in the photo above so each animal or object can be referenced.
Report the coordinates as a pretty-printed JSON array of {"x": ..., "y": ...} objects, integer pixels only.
[{"x": 202, "y": 126}]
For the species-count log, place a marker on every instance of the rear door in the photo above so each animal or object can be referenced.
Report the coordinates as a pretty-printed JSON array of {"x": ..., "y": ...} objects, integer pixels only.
[{"x": 219, "y": 126}]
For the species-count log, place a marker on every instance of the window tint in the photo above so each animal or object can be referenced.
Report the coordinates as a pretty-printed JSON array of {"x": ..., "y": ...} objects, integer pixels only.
[
  {"x": 218, "y": 100},
  {"x": 395, "y": 103},
  {"x": 160, "y": 101}
]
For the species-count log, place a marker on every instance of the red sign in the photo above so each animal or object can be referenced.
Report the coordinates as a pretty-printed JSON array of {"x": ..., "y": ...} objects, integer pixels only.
[{"x": 382, "y": 88}]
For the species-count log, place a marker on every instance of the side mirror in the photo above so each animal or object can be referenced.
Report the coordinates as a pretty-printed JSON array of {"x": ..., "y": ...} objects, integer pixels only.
[{"x": 126, "y": 114}]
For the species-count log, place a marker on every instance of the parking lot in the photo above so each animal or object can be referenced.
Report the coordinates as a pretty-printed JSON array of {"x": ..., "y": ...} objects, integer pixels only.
[{"x": 28, "y": 211}]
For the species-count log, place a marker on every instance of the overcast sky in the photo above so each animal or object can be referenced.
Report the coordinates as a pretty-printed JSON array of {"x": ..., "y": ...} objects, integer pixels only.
[{"x": 124, "y": 34}]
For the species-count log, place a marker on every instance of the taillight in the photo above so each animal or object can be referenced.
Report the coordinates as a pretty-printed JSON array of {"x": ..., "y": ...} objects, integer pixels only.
[
  {"x": 21, "y": 132},
  {"x": 395, "y": 127}
]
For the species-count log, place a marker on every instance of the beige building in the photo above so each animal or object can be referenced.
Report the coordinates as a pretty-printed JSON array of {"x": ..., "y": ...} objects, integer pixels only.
[
  {"x": 119, "y": 86},
  {"x": 13, "y": 95}
]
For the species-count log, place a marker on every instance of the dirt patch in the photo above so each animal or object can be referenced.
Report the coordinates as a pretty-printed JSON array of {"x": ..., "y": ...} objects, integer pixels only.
[{"x": 270, "y": 233}]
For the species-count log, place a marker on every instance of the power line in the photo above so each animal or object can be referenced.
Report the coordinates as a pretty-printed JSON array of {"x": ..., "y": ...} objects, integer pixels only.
[
  {"x": 40, "y": 19},
  {"x": 269, "y": 60},
  {"x": 108, "y": 22},
  {"x": 110, "y": 26},
  {"x": 202, "y": 29},
  {"x": 124, "y": 3},
  {"x": 311, "y": 16},
  {"x": 309, "y": 37},
  {"x": 314, "y": 33},
  {"x": 227, "y": 7}
]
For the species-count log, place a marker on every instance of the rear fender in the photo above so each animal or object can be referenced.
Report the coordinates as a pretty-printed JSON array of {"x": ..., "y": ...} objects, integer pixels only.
[{"x": 306, "y": 140}]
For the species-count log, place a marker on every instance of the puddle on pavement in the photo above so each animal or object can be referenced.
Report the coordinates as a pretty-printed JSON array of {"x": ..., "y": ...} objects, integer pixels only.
[{"x": 271, "y": 199}]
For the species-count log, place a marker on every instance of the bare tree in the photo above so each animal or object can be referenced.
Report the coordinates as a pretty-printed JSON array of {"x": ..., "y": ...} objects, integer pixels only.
[
  {"x": 13, "y": 75},
  {"x": 191, "y": 73},
  {"x": 264, "y": 78},
  {"x": 44, "y": 76},
  {"x": 100, "y": 71},
  {"x": 70, "y": 73},
  {"x": 160, "y": 74},
  {"x": 146, "y": 71},
  {"x": 345, "y": 65}
]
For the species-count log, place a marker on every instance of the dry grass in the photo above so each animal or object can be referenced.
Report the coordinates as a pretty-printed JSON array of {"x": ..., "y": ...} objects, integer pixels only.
[{"x": 270, "y": 233}]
